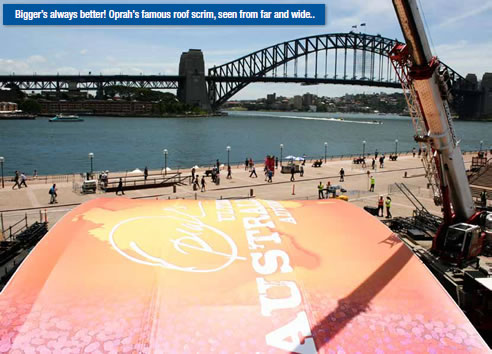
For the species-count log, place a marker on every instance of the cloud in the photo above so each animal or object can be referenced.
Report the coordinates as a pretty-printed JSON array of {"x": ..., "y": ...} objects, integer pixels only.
[
  {"x": 474, "y": 12},
  {"x": 36, "y": 59},
  {"x": 84, "y": 51}
]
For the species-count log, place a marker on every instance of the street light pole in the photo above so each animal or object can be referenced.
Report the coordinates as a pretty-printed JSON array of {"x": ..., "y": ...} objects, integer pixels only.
[
  {"x": 228, "y": 153},
  {"x": 363, "y": 148},
  {"x": 326, "y": 146},
  {"x": 91, "y": 157},
  {"x": 1, "y": 165},
  {"x": 165, "y": 161},
  {"x": 396, "y": 146},
  {"x": 281, "y": 151},
  {"x": 481, "y": 144}
]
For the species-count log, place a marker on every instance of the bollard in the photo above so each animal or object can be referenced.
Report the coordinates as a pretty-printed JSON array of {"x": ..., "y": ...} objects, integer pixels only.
[
  {"x": 406, "y": 174},
  {"x": 169, "y": 198},
  {"x": 293, "y": 189},
  {"x": 251, "y": 192},
  {"x": 174, "y": 188},
  {"x": 45, "y": 216}
]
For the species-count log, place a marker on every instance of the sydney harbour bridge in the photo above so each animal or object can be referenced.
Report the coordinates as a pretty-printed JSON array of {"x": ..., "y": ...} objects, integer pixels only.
[{"x": 337, "y": 58}]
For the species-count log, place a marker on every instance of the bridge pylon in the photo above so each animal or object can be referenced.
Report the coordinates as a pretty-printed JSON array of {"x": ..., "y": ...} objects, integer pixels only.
[{"x": 192, "y": 89}]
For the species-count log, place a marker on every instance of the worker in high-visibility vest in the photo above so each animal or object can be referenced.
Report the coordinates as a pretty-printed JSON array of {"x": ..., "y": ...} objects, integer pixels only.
[
  {"x": 381, "y": 206},
  {"x": 320, "y": 190},
  {"x": 388, "y": 207},
  {"x": 373, "y": 182}
]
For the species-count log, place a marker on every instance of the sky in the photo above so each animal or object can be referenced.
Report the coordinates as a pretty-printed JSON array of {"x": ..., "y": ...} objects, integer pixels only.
[{"x": 460, "y": 35}]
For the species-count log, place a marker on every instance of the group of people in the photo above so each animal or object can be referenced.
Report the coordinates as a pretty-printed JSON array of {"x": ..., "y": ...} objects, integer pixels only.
[
  {"x": 381, "y": 204},
  {"x": 19, "y": 180},
  {"x": 196, "y": 181}
]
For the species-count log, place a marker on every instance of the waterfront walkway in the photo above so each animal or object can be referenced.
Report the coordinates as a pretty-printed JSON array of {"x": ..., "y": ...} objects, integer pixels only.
[{"x": 15, "y": 204}]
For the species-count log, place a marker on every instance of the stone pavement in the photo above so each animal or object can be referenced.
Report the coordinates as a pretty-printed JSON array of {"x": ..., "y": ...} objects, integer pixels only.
[{"x": 15, "y": 204}]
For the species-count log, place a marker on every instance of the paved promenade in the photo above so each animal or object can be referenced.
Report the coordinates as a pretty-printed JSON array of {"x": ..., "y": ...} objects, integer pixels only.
[{"x": 15, "y": 204}]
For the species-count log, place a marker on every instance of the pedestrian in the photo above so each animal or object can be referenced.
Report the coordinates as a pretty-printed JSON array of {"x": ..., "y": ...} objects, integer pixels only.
[
  {"x": 292, "y": 172},
  {"x": 246, "y": 164},
  {"x": 193, "y": 175},
  {"x": 217, "y": 178},
  {"x": 16, "y": 180},
  {"x": 320, "y": 190},
  {"x": 270, "y": 175},
  {"x": 420, "y": 151},
  {"x": 342, "y": 175},
  {"x": 483, "y": 198},
  {"x": 328, "y": 189},
  {"x": 373, "y": 182},
  {"x": 376, "y": 154},
  {"x": 388, "y": 207},
  {"x": 218, "y": 164},
  {"x": 301, "y": 171},
  {"x": 53, "y": 194},
  {"x": 413, "y": 152},
  {"x": 120, "y": 187},
  {"x": 214, "y": 174},
  {"x": 276, "y": 162},
  {"x": 146, "y": 173},
  {"x": 203, "y": 183},
  {"x": 381, "y": 162},
  {"x": 381, "y": 206},
  {"x": 265, "y": 171},
  {"x": 23, "y": 180},
  {"x": 196, "y": 183},
  {"x": 250, "y": 163},
  {"x": 373, "y": 164},
  {"x": 303, "y": 159},
  {"x": 253, "y": 172},
  {"x": 229, "y": 172},
  {"x": 384, "y": 156},
  {"x": 35, "y": 174}
]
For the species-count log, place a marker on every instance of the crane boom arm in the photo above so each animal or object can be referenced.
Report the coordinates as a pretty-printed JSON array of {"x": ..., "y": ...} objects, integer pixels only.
[{"x": 430, "y": 90}]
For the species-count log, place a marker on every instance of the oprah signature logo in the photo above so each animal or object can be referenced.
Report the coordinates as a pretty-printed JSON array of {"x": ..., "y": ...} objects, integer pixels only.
[{"x": 176, "y": 240}]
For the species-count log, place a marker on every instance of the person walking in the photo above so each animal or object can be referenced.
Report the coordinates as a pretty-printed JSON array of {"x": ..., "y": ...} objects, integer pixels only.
[
  {"x": 146, "y": 173},
  {"x": 388, "y": 207},
  {"x": 22, "y": 180},
  {"x": 381, "y": 160},
  {"x": 373, "y": 182},
  {"x": 53, "y": 194},
  {"x": 483, "y": 198},
  {"x": 276, "y": 161},
  {"x": 253, "y": 172},
  {"x": 320, "y": 191},
  {"x": 196, "y": 183},
  {"x": 218, "y": 164},
  {"x": 270, "y": 175},
  {"x": 292, "y": 172},
  {"x": 342, "y": 175},
  {"x": 120, "y": 187},
  {"x": 203, "y": 184},
  {"x": 246, "y": 164},
  {"x": 376, "y": 154},
  {"x": 381, "y": 206},
  {"x": 373, "y": 164},
  {"x": 193, "y": 175},
  {"x": 16, "y": 181},
  {"x": 229, "y": 172},
  {"x": 35, "y": 174},
  {"x": 301, "y": 170},
  {"x": 413, "y": 152}
]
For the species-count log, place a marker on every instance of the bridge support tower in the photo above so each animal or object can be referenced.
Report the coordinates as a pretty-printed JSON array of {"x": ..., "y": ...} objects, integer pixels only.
[{"x": 193, "y": 89}]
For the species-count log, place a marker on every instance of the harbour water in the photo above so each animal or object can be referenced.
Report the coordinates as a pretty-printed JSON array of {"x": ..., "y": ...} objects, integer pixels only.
[{"x": 121, "y": 144}]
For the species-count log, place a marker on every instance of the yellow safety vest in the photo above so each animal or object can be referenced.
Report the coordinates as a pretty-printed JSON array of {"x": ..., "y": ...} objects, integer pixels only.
[
  {"x": 388, "y": 203},
  {"x": 373, "y": 180},
  {"x": 320, "y": 187}
]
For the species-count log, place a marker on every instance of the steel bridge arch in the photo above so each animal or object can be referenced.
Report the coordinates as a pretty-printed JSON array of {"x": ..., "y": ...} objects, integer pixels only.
[{"x": 226, "y": 80}]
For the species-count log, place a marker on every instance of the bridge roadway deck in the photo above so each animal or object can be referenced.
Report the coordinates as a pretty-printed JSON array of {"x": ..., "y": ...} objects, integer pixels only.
[{"x": 14, "y": 204}]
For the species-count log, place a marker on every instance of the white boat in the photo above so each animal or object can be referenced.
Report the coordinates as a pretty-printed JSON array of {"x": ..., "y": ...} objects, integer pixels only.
[{"x": 66, "y": 118}]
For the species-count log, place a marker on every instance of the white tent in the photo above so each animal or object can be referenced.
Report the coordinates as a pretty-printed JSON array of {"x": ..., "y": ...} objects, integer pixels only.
[{"x": 135, "y": 171}]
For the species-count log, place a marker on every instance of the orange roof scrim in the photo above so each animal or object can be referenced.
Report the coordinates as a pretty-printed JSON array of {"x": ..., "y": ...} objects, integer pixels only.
[{"x": 236, "y": 275}]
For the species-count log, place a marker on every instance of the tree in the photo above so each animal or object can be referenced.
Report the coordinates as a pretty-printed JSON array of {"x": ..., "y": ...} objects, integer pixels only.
[{"x": 30, "y": 106}]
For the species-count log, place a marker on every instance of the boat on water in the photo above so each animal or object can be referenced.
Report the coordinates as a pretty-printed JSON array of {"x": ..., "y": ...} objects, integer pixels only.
[{"x": 66, "y": 118}]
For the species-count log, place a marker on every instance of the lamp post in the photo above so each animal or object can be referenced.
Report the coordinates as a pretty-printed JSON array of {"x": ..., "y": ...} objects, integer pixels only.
[
  {"x": 228, "y": 148},
  {"x": 363, "y": 148},
  {"x": 281, "y": 151},
  {"x": 326, "y": 146},
  {"x": 1, "y": 166},
  {"x": 91, "y": 157},
  {"x": 481, "y": 145},
  {"x": 396, "y": 146},
  {"x": 165, "y": 161}
]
